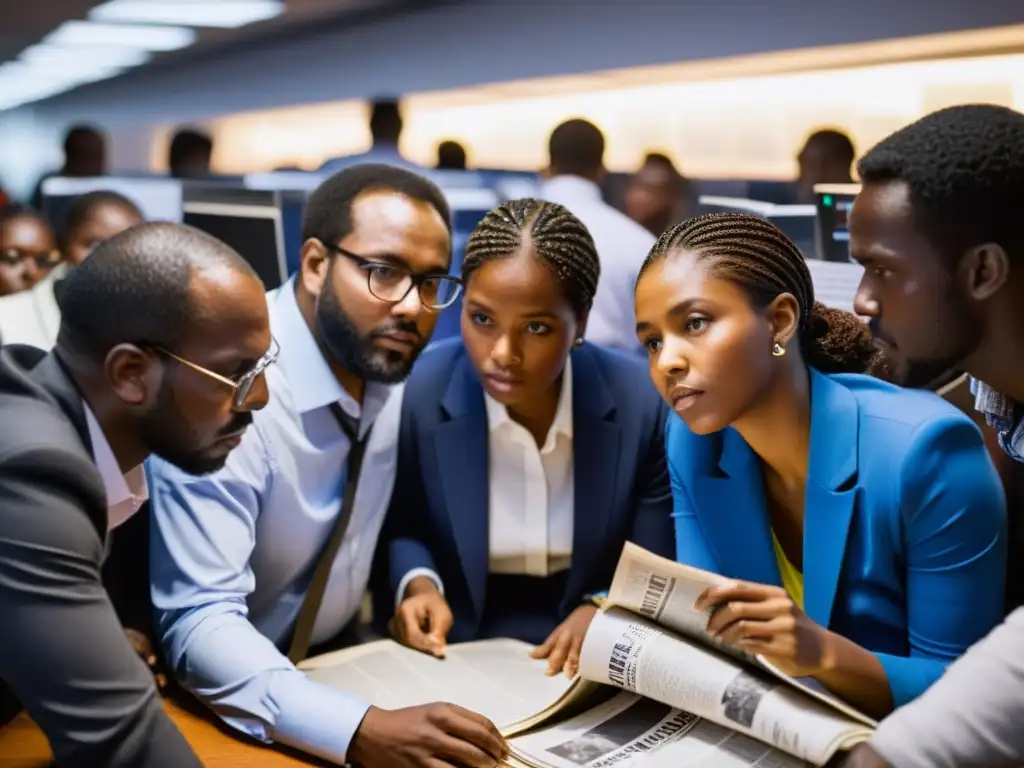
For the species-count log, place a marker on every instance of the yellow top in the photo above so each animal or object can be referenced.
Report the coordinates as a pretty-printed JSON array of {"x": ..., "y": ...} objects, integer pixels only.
[{"x": 792, "y": 579}]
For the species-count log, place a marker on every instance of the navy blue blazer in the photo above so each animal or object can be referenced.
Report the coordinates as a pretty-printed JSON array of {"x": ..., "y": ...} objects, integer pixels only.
[
  {"x": 439, "y": 512},
  {"x": 904, "y": 546}
]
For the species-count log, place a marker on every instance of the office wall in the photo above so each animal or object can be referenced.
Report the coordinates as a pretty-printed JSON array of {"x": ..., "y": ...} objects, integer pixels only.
[
  {"x": 483, "y": 41},
  {"x": 459, "y": 45}
]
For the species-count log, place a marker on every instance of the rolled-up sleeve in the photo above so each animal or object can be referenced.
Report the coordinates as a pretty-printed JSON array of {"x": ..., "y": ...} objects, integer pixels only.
[{"x": 202, "y": 539}]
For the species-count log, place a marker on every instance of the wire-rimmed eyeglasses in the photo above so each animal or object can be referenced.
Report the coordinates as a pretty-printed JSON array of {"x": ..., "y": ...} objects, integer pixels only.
[
  {"x": 242, "y": 384},
  {"x": 392, "y": 283}
]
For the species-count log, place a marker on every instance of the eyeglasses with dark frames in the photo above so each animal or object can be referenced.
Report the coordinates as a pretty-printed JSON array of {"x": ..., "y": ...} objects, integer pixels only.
[
  {"x": 392, "y": 283},
  {"x": 241, "y": 384},
  {"x": 48, "y": 260}
]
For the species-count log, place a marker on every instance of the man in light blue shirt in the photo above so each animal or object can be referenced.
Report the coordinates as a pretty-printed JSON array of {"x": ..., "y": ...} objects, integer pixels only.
[{"x": 233, "y": 554}]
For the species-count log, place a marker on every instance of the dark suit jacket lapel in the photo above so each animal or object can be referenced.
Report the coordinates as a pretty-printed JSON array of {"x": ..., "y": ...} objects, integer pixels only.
[
  {"x": 460, "y": 442},
  {"x": 596, "y": 451},
  {"x": 831, "y": 492},
  {"x": 54, "y": 378}
]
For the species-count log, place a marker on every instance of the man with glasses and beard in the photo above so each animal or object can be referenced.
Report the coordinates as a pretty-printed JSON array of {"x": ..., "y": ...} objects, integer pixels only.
[
  {"x": 938, "y": 229},
  {"x": 75, "y": 426},
  {"x": 257, "y": 564}
]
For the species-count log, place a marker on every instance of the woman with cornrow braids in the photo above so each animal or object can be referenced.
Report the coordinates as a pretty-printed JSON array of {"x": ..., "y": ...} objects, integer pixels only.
[
  {"x": 860, "y": 525},
  {"x": 527, "y": 457}
]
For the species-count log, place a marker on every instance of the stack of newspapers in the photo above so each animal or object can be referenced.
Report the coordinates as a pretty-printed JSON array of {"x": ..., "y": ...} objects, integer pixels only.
[{"x": 653, "y": 689}]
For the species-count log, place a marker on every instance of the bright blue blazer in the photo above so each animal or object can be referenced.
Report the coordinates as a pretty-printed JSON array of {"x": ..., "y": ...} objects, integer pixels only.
[
  {"x": 904, "y": 546},
  {"x": 439, "y": 512}
]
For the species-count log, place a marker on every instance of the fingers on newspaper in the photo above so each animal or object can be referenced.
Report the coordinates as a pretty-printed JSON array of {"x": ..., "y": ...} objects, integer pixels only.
[{"x": 652, "y": 689}]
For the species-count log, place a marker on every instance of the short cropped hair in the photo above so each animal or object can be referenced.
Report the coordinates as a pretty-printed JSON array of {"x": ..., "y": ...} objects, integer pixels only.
[
  {"x": 188, "y": 143},
  {"x": 964, "y": 168},
  {"x": 385, "y": 120},
  {"x": 136, "y": 288},
  {"x": 576, "y": 147},
  {"x": 835, "y": 143},
  {"x": 328, "y": 215}
]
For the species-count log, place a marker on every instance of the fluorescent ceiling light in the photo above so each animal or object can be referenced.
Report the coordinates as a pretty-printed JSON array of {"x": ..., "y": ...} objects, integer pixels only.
[
  {"x": 193, "y": 13},
  {"x": 59, "y": 57},
  {"x": 20, "y": 85},
  {"x": 144, "y": 36}
]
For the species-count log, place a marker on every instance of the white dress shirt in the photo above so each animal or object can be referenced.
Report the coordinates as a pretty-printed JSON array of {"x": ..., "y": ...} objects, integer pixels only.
[
  {"x": 531, "y": 491},
  {"x": 233, "y": 553},
  {"x": 622, "y": 246},
  {"x": 531, "y": 504},
  {"x": 32, "y": 317},
  {"x": 126, "y": 492}
]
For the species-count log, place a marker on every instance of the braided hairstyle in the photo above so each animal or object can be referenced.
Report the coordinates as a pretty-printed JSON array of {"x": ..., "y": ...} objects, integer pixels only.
[
  {"x": 755, "y": 255},
  {"x": 559, "y": 239}
]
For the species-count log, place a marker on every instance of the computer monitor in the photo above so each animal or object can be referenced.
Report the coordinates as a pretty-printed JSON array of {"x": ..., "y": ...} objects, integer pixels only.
[
  {"x": 159, "y": 199},
  {"x": 248, "y": 220},
  {"x": 795, "y": 221},
  {"x": 833, "y": 203}
]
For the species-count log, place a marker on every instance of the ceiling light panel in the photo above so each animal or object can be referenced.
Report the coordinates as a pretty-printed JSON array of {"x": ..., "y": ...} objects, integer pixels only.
[
  {"x": 149, "y": 37},
  {"x": 60, "y": 57},
  {"x": 228, "y": 14}
]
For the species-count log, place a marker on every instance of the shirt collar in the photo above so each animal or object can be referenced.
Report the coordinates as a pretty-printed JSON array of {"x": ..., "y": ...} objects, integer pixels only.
[
  {"x": 573, "y": 187},
  {"x": 498, "y": 418},
  {"x": 312, "y": 383},
  {"x": 126, "y": 492},
  {"x": 990, "y": 402},
  {"x": 1004, "y": 414},
  {"x": 310, "y": 378}
]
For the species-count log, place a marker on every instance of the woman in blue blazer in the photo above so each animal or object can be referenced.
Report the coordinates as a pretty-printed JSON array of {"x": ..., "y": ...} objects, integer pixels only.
[
  {"x": 864, "y": 524},
  {"x": 526, "y": 456}
]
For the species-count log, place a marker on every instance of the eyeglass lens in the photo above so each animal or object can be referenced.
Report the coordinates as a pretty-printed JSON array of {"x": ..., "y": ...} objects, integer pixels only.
[{"x": 390, "y": 284}]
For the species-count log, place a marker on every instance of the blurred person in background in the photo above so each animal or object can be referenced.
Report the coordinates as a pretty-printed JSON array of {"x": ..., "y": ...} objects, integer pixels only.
[
  {"x": 85, "y": 155},
  {"x": 550, "y": 452},
  {"x": 189, "y": 154},
  {"x": 28, "y": 249},
  {"x": 826, "y": 158},
  {"x": 93, "y": 218},
  {"x": 33, "y": 316},
  {"x": 657, "y": 194},
  {"x": 937, "y": 228},
  {"x": 576, "y": 165},
  {"x": 385, "y": 133},
  {"x": 451, "y": 156}
]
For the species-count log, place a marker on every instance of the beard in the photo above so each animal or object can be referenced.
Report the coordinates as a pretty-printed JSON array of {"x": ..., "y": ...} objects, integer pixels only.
[
  {"x": 166, "y": 432},
  {"x": 356, "y": 352},
  {"x": 915, "y": 373}
]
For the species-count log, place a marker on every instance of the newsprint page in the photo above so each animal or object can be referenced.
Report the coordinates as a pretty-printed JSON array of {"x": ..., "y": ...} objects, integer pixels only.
[{"x": 652, "y": 690}]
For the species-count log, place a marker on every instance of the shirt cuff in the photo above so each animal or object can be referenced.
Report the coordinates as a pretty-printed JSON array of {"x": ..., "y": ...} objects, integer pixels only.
[
  {"x": 416, "y": 573},
  {"x": 316, "y": 719}
]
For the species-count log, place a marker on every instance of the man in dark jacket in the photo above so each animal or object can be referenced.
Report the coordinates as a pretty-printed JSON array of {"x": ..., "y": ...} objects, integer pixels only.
[{"x": 163, "y": 343}]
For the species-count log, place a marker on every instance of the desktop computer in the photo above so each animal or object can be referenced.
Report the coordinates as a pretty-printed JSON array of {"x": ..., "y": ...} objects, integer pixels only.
[
  {"x": 833, "y": 207},
  {"x": 250, "y": 221}
]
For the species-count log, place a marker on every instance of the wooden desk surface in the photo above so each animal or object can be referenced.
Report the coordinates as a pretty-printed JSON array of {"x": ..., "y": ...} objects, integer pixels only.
[{"x": 22, "y": 744}]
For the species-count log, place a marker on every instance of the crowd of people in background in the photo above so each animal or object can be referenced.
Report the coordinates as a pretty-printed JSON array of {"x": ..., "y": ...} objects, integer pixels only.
[{"x": 636, "y": 374}]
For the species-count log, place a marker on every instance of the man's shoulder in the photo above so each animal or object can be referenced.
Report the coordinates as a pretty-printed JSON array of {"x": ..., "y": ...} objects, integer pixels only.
[{"x": 31, "y": 420}]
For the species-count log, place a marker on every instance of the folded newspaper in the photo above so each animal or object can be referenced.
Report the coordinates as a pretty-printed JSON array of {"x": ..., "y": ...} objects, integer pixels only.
[{"x": 653, "y": 689}]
